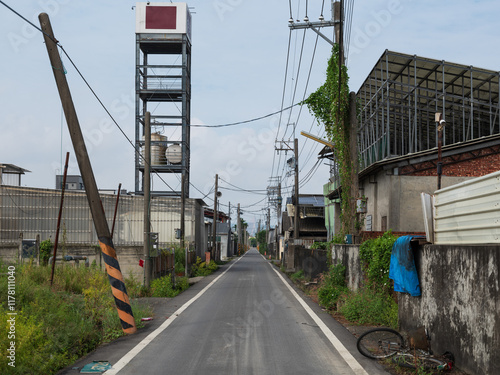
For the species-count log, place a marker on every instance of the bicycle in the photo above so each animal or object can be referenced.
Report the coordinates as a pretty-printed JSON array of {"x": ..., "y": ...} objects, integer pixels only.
[{"x": 380, "y": 343}]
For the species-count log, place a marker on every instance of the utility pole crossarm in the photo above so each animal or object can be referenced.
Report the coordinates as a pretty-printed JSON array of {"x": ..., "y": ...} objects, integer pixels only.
[
  {"x": 322, "y": 35},
  {"x": 307, "y": 25}
]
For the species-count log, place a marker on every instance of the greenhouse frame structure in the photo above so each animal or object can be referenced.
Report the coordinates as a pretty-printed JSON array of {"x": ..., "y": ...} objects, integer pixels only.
[{"x": 399, "y": 99}]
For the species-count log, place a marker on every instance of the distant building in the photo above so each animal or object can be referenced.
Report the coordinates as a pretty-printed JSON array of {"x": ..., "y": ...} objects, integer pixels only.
[
  {"x": 73, "y": 182},
  {"x": 10, "y": 174}
]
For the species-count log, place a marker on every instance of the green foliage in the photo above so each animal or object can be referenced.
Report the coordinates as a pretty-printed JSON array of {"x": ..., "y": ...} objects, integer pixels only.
[
  {"x": 181, "y": 283},
  {"x": 330, "y": 106},
  {"x": 333, "y": 287},
  {"x": 375, "y": 255},
  {"x": 338, "y": 239},
  {"x": 299, "y": 275},
  {"x": 366, "y": 306},
  {"x": 262, "y": 240},
  {"x": 135, "y": 288},
  {"x": 55, "y": 326},
  {"x": 46, "y": 251},
  {"x": 320, "y": 245},
  {"x": 163, "y": 286},
  {"x": 200, "y": 268}
]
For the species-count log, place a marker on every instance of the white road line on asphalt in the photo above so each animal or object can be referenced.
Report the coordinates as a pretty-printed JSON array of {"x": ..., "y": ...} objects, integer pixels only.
[
  {"x": 139, "y": 347},
  {"x": 346, "y": 355}
]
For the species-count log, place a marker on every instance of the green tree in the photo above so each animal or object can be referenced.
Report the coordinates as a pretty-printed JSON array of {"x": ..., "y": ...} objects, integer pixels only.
[{"x": 261, "y": 238}]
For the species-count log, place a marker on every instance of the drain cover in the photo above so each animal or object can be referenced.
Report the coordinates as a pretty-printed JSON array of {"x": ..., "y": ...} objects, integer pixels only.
[{"x": 95, "y": 367}]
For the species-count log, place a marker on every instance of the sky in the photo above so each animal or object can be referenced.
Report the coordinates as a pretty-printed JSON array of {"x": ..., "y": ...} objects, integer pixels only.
[{"x": 241, "y": 50}]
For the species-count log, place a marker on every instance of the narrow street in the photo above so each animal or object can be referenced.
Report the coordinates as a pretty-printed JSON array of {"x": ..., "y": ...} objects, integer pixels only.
[{"x": 245, "y": 321}]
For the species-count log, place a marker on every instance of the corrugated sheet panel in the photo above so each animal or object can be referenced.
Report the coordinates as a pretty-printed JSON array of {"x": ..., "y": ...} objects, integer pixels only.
[{"x": 468, "y": 213}]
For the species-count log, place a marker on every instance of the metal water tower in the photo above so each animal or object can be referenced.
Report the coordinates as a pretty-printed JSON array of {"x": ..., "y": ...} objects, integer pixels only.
[{"x": 163, "y": 88}]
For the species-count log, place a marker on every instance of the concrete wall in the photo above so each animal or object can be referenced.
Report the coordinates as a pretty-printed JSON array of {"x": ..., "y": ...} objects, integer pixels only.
[
  {"x": 460, "y": 304},
  {"x": 348, "y": 255},
  {"x": 311, "y": 261},
  {"x": 398, "y": 199}
]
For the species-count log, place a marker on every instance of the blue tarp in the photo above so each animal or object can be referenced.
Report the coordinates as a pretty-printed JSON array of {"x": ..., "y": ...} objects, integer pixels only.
[{"x": 402, "y": 268}]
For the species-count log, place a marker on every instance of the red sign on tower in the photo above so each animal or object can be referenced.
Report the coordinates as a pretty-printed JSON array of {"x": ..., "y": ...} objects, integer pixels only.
[{"x": 161, "y": 17}]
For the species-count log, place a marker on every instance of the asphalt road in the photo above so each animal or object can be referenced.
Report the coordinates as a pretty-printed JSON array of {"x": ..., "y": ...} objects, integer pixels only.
[{"x": 245, "y": 319}]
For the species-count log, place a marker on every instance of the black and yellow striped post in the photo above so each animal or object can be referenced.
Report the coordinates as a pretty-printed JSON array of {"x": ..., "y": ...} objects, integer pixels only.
[
  {"x": 101, "y": 225},
  {"x": 117, "y": 285}
]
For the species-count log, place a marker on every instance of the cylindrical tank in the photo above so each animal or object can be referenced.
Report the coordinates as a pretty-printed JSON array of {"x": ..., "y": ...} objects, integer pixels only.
[
  {"x": 174, "y": 154},
  {"x": 157, "y": 151}
]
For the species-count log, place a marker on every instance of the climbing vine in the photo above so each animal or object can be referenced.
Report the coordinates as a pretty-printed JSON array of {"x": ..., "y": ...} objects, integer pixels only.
[{"x": 330, "y": 106}]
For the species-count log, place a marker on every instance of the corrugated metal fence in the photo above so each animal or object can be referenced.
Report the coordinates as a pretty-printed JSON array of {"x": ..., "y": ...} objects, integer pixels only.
[
  {"x": 469, "y": 212},
  {"x": 33, "y": 211}
]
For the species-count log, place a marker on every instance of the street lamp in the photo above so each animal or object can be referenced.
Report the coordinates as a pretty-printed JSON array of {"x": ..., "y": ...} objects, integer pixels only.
[{"x": 440, "y": 125}]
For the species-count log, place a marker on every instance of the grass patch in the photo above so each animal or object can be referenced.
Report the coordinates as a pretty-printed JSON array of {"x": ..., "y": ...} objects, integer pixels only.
[
  {"x": 163, "y": 286},
  {"x": 332, "y": 287},
  {"x": 297, "y": 276},
  {"x": 55, "y": 326},
  {"x": 366, "y": 306}
]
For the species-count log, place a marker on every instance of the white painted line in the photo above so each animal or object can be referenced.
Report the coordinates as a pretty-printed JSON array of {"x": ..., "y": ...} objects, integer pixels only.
[
  {"x": 346, "y": 355},
  {"x": 118, "y": 366}
]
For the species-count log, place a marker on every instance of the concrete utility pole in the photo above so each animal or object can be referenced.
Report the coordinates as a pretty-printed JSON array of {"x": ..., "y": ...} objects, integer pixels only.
[
  {"x": 238, "y": 228},
  {"x": 101, "y": 225},
  {"x": 146, "y": 181},
  {"x": 268, "y": 225},
  {"x": 296, "y": 213},
  {"x": 183, "y": 226},
  {"x": 278, "y": 221},
  {"x": 353, "y": 149},
  {"x": 214, "y": 226},
  {"x": 183, "y": 209},
  {"x": 229, "y": 242}
]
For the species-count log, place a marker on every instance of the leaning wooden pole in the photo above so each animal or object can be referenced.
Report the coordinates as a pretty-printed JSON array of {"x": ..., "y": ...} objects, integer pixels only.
[{"x": 101, "y": 225}]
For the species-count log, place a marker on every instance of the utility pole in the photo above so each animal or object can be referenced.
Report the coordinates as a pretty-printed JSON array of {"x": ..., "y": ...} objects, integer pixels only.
[
  {"x": 214, "y": 226},
  {"x": 296, "y": 226},
  {"x": 183, "y": 226},
  {"x": 278, "y": 217},
  {"x": 353, "y": 149},
  {"x": 146, "y": 181},
  {"x": 183, "y": 209},
  {"x": 229, "y": 242},
  {"x": 238, "y": 228},
  {"x": 285, "y": 146},
  {"x": 101, "y": 225},
  {"x": 268, "y": 224}
]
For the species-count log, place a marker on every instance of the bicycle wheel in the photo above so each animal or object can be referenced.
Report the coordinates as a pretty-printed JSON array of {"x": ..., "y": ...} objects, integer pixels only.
[
  {"x": 380, "y": 343},
  {"x": 410, "y": 361}
]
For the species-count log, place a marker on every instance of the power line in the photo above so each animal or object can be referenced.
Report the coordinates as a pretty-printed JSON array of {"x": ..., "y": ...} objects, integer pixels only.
[{"x": 246, "y": 121}]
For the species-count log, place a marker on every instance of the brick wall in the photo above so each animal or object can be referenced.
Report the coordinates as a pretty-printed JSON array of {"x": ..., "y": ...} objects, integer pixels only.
[
  {"x": 376, "y": 234},
  {"x": 470, "y": 164}
]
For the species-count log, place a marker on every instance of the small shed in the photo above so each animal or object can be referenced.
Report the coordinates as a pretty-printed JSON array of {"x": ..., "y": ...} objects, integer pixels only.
[{"x": 10, "y": 174}]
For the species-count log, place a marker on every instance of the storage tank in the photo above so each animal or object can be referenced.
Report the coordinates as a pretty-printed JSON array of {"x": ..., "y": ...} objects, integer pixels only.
[
  {"x": 157, "y": 151},
  {"x": 174, "y": 154}
]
